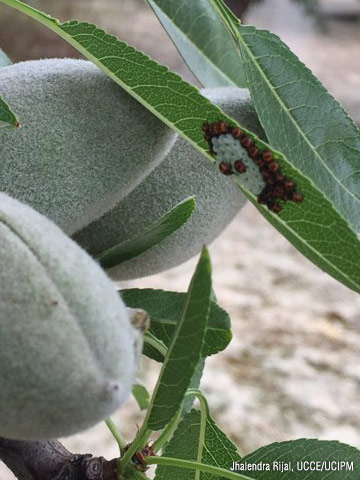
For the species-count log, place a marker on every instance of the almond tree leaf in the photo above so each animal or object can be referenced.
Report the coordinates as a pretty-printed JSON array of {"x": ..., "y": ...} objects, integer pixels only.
[
  {"x": 285, "y": 460},
  {"x": 8, "y": 119},
  {"x": 314, "y": 226},
  {"x": 203, "y": 40},
  {"x": 184, "y": 352},
  {"x": 153, "y": 235},
  {"x": 165, "y": 310},
  {"x": 218, "y": 449},
  {"x": 142, "y": 396},
  {"x": 302, "y": 120}
]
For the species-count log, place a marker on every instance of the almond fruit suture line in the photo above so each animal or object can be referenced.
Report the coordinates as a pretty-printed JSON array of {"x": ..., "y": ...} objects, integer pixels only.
[{"x": 238, "y": 155}]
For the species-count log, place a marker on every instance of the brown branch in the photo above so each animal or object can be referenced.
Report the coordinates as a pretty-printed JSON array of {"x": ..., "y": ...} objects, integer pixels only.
[{"x": 50, "y": 460}]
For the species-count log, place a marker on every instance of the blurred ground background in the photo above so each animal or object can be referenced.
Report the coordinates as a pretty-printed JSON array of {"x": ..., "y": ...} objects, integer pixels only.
[{"x": 292, "y": 368}]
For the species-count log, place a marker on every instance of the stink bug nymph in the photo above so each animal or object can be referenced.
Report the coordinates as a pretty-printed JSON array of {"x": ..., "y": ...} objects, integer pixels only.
[
  {"x": 238, "y": 154},
  {"x": 138, "y": 459}
]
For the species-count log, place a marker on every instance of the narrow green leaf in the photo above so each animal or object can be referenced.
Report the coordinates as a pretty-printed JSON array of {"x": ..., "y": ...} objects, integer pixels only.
[
  {"x": 329, "y": 461},
  {"x": 185, "y": 350},
  {"x": 153, "y": 235},
  {"x": 330, "y": 244},
  {"x": 165, "y": 310},
  {"x": 142, "y": 396},
  {"x": 8, "y": 119},
  {"x": 203, "y": 40},
  {"x": 4, "y": 59},
  {"x": 218, "y": 449},
  {"x": 303, "y": 121}
]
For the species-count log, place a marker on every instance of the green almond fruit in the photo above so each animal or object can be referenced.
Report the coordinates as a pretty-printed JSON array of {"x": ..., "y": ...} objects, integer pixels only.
[
  {"x": 184, "y": 172},
  {"x": 84, "y": 143},
  {"x": 68, "y": 351}
]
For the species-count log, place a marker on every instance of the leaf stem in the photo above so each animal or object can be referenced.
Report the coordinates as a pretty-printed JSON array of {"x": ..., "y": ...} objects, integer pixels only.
[
  {"x": 176, "y": 462},
  {"x": 139, "y": 475},
  {"x": 203, "y": 419},
  {"x": 167, "y": 432},
  {"x": 117, "y": 435}
]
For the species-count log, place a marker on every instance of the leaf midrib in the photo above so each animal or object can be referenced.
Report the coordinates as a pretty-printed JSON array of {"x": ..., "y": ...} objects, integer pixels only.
[{"x": 173, "y": 323}]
